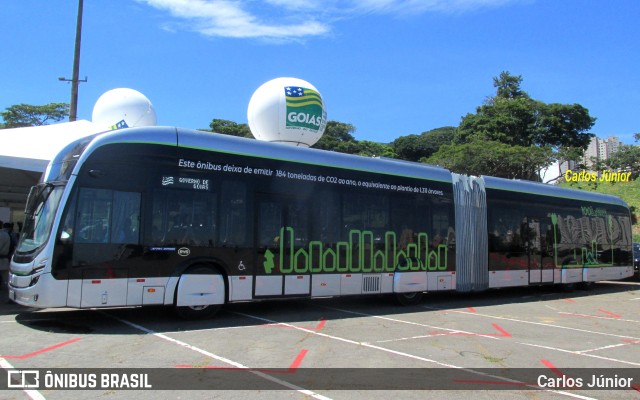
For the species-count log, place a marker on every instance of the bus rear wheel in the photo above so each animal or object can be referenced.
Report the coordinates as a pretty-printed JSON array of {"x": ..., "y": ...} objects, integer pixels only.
[
  {"x": 409, "y": 299},
  {"x": 586, "y": 285},
  {"x": 197, "y": 312}
]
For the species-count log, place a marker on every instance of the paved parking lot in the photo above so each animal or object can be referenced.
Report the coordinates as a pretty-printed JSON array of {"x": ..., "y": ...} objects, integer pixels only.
[{"x": 492, "y": 345}]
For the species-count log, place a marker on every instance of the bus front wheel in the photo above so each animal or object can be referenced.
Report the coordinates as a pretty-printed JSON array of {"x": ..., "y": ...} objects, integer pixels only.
[
  {"x": 201, "y": 281},
  {"x": 196, "y": 312},
  {"x": 409, "y": 299}
]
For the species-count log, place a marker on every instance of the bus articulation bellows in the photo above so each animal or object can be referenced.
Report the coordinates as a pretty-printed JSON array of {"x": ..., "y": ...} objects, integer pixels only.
[{"x": 194, "y": 220}]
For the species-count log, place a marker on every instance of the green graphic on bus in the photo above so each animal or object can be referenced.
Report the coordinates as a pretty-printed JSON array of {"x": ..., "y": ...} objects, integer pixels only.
[
  {"x": 590, "y": 257},
  {"x": 317, "y": 257}
]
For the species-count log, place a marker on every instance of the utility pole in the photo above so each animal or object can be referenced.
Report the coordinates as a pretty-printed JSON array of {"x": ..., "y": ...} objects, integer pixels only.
[{"x": 75, "y": 80}]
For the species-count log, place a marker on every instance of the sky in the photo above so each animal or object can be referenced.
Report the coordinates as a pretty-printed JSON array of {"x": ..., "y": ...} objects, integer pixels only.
[{"x": 388, "y": 67}]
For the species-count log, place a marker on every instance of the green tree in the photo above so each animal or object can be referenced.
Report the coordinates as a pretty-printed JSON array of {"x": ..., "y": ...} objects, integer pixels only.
[
  {"x": 482, "y": 157},
  {"x": 374, "y": 149},
  {"x": 514, "y": 118},
  {"x": 537, "y": 132},
  {"x": 338, "y": 137},
  {"x": 231, "y": 128},
  {"x": 508, "y": 86},
  {"x": 564, "y": 125},
  {"x": 416, "y": 147},
  {"x": 626, "y": 159},
  {"x": 23, "y": 115}
]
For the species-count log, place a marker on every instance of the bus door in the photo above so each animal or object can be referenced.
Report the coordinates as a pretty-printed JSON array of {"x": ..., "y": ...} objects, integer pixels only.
[
  {"x": 101, "y": 233},
  {"x": 534, "y": 234},
  {"x": 282, "y": 259}
]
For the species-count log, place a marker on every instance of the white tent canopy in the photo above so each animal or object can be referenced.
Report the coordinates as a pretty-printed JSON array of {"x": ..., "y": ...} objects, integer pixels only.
[
  {"x": 25, "y": 153},
  {"x": 31, "y": 148}
]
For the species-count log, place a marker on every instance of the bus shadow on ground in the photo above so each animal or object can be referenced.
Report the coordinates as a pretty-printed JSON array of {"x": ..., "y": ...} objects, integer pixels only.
[{"x": 293, "y": 311}]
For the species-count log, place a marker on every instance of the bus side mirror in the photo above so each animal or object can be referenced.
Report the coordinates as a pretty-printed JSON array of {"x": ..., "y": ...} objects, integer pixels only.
[{"x": 65, "y": 237}]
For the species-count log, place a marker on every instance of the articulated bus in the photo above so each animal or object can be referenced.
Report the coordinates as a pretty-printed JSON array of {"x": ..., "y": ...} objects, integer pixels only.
[{"x": 194, "y": 220}]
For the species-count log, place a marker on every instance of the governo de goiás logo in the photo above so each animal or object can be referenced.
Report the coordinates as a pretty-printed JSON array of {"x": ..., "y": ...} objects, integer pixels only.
[{"x": 304, "y": 109}]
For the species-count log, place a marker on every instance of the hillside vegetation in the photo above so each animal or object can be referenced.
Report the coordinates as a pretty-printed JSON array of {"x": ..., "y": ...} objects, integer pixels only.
[{"x": 628, "y": 191}]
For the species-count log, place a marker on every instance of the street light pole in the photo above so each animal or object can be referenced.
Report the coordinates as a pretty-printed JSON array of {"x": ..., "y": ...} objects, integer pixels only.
[
  {"x": 75, "y": 79},
  {"x": 73, "y": 110}
]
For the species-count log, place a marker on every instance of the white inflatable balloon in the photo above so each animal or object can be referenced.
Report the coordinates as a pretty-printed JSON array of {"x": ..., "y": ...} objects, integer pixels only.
[
  {"x": 287, "y": 110},
  {"x": 123, "y": 108}
]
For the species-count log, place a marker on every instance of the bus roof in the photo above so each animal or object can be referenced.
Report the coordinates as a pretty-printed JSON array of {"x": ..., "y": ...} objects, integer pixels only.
[
  {"x": 208, "y": 141},
  {"x": 544, "y": 189}
]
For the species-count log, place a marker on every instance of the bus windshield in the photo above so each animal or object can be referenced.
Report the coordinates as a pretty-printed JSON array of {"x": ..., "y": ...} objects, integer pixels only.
[{"x": 42, "y": 204}]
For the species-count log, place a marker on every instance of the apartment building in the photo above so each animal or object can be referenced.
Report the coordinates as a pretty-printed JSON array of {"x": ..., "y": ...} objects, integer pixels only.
[{"x": 600, "y": 149}]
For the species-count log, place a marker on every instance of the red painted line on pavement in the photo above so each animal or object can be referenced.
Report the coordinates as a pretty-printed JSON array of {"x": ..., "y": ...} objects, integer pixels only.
[
  {"x": 471, "y": 309},
  {"x": 296, "y": 363},
  {"x": 291, "y": 370},
  {"x": 614, "y": 315},
  {"x": 569, "y": 300},
  {"x": 35, "y": 353},
  {"x": 502, "y": 331},
  {"x": 552, "y": 367},
  {"x": 320, "y": 325}
]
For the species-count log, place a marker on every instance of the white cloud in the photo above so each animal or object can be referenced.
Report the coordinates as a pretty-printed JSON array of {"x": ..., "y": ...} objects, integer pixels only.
[
  {"x": 236, "y": 19},
  {"x": 421, "y": 6},
  {"x": 293, "y": 19},
  {"x": 298, "y": 5}
]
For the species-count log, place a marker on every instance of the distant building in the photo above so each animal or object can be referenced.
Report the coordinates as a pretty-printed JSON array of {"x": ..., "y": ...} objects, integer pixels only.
[
  {"x": 612, "y": 145},
  {"x": 592, "y": 154},
  {"x": 600, "y": 150}
]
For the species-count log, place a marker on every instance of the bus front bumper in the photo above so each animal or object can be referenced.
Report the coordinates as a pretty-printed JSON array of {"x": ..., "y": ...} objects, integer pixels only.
[{"x": 45, "y": 292}]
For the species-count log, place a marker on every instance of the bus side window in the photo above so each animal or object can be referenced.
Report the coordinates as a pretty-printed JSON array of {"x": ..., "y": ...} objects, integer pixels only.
[
  {"x": 126, "y": 218},
  {"x": 66, "y": 233},
  {"x": 325, "y": 219},
  {"x": 364, "y": 212},
  {"x": 170, "y": 216},
  {"x": 271, "y": 220},
  {"x": 105, "y": 216},
  {"x": 408, "y": 218},
  {"x": 204, "y": 229},
  {"x": 234, "y": 224},
  {"x": 94, "y": 215}
]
